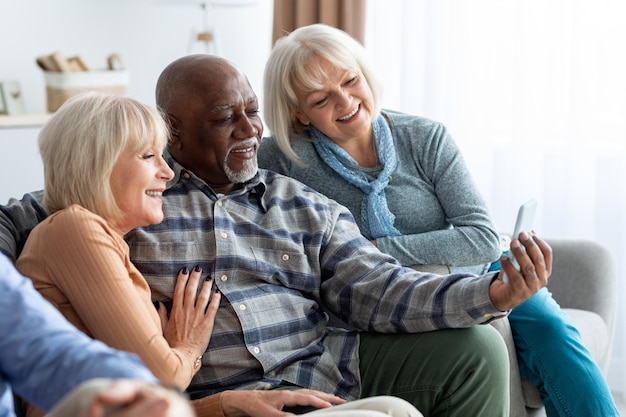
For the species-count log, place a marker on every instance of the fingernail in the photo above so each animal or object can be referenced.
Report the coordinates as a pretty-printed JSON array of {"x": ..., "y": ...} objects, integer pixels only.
[
  {"x": 197, "y": 268},
  {"x": 185, "y": 271},
  {"x": 208, "y": 278}
]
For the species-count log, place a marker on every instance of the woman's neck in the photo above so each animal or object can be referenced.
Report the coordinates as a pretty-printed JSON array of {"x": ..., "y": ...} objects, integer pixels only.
[{"x": 362, "y": 150}]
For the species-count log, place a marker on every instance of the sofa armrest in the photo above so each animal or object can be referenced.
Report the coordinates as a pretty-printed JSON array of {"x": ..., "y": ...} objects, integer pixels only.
[{"x": 583, "y": 277}]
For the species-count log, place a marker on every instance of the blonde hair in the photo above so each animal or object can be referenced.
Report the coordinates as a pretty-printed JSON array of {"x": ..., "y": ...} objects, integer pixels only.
[
  {"x": 293, "y": 64},
  {"x": 83, "y": 140}
]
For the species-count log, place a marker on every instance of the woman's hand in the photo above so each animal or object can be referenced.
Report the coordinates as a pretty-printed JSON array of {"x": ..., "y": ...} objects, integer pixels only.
[
  {"x": 534, "y": 257},
  {"x": 191, "y": 320},
  {"x": 259, "y": 403}
]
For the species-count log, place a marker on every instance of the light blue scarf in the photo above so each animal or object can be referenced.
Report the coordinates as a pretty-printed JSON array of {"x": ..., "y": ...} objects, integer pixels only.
[{"x": 374, "y": 211}]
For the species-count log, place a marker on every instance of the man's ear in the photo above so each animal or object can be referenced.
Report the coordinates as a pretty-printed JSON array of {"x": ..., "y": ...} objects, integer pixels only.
[{"x": 174, "y": 125}]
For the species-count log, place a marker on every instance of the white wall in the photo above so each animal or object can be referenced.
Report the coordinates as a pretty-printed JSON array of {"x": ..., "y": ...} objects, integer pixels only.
[{"x": 147, "y": 34}]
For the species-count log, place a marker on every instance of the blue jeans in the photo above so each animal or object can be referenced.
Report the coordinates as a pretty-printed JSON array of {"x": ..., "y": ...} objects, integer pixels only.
[{"x": 551, "y": 356}]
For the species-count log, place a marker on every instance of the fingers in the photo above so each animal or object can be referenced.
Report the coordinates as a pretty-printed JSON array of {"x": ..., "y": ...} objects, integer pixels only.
[
  {"x": 211, "y": 296},
  {"x": 119, "y": 391},
  {"x": 272, "y": 402},
  {"x": 310, "y": 398},
  {"x": 546, "y": 250},
  {"x": 148, "y": 406},
  {"x": 192, "y": 287},
  {"x": 181, "y": 284},
  {"x": 322, "y": 396},
  {"x": 527, "y": 273},
  {"x": 186, "y": 290},
  {"x": 534, "y": 259}
]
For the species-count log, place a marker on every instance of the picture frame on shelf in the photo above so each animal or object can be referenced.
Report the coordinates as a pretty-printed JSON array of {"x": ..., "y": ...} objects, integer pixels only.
[{"x": 11, "y": 98}]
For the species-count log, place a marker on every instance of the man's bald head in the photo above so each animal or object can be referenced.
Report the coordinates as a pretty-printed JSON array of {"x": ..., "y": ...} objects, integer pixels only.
[{"x": 186, "y": 77}]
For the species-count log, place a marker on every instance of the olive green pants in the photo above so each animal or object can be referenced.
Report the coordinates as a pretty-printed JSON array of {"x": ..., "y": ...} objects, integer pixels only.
[{"x": 451, "y": 373}]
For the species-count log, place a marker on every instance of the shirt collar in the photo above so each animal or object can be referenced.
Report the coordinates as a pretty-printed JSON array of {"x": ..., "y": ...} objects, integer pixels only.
[{"x": 256, "y": 186}]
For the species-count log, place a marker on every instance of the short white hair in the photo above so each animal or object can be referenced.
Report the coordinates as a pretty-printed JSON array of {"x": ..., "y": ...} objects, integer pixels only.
[
  {"x": 293, "y": 64},
  {"x": 83, "y": 140}
]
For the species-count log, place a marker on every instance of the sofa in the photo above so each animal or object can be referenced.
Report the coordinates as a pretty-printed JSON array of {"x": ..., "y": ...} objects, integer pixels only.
[{"x": 583, "y": 282}]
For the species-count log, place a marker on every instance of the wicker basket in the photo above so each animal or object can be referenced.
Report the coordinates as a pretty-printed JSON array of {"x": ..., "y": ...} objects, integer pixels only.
[{"x": 60, "y": 86}]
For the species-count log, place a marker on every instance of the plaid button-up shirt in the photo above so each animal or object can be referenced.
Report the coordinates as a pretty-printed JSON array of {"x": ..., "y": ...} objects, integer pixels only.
[{"x": 283, "y": 256}]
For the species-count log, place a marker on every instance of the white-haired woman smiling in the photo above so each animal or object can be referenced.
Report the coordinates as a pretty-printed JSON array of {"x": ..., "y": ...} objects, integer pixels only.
[{"x": 405, "y": 181}]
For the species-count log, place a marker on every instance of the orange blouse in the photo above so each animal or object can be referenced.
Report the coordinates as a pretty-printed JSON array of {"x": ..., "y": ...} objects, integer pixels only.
[{"x": 81, "y": 264}]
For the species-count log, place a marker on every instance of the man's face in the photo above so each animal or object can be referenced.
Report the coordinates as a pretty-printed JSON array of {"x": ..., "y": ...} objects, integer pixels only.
[{"x": 218, "y": 129}]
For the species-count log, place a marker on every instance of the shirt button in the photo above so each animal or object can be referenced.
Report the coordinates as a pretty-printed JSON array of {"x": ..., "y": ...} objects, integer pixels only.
[
  {"x": 285, "y": 257},
  {"x": 273, "y": 373},
  {"x": 224, "y": 278},
  {"x": 267, "y": 387},
  {"x": 256, "y": 350},
  {"x": 487, "y": 315},
  {"x": 242, "y": 307},
  {"x": 220, "y": 203},
  {"x": 186, "y": 175},
  {"x": 224, "y": 235}
]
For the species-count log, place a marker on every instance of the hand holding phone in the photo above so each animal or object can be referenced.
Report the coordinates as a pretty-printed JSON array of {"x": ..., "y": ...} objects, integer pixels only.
[{"x": 524, "y": 223}]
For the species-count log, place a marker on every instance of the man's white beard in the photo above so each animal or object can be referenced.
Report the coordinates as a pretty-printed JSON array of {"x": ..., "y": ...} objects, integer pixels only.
[{"x": 248, "y": 171}]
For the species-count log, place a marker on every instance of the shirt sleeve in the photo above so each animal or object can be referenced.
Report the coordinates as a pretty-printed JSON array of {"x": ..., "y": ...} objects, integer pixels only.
[
  {"x": 42, "y": 356},
  {"x": 368, "y": 290},
  {"x": 88, "y": 262},
  {"x": 17, "y": 219}
]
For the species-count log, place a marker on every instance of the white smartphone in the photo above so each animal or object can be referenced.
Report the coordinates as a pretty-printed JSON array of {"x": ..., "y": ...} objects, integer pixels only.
[{"x": 524, "y": 223}]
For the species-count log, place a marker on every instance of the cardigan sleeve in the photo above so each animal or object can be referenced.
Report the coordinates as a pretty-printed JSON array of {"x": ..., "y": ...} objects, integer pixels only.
[
  {"x": 446, "y": 204},
  {"x": 87, "y": 273}
]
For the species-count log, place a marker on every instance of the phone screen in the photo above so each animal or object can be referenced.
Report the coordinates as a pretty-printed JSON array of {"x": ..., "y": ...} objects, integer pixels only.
[{"x": 523, "y": 223}]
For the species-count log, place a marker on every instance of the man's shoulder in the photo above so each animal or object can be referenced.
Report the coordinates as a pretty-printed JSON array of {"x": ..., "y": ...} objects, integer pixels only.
[
  {"x": 278, "y": 183},
  {"x": 282, "y": 186},
  {"x": 32, "y": 200},
  {"x": 17, "y": 218}
]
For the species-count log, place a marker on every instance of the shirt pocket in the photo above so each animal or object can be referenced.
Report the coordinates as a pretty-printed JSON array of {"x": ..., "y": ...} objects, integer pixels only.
[{"x": 285, "y": 267}]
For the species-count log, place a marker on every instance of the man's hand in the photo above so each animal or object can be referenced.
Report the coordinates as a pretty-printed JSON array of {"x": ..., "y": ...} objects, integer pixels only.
[
  {"x": 271, "y": 403},
  {"x": 534, "y": 257},
  {"x": 130, "y": 398}
]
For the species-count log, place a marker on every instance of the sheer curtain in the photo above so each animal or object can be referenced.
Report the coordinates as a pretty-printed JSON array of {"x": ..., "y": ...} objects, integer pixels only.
[{"x": 534, "y": 92}]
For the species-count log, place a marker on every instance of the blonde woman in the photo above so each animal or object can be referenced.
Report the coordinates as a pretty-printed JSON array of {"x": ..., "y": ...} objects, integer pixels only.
[{"x": 103, "y": 177}]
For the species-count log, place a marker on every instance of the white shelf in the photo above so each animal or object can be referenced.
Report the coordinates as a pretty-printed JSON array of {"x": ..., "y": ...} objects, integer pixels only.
[{"x": 23, "y": 120}]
